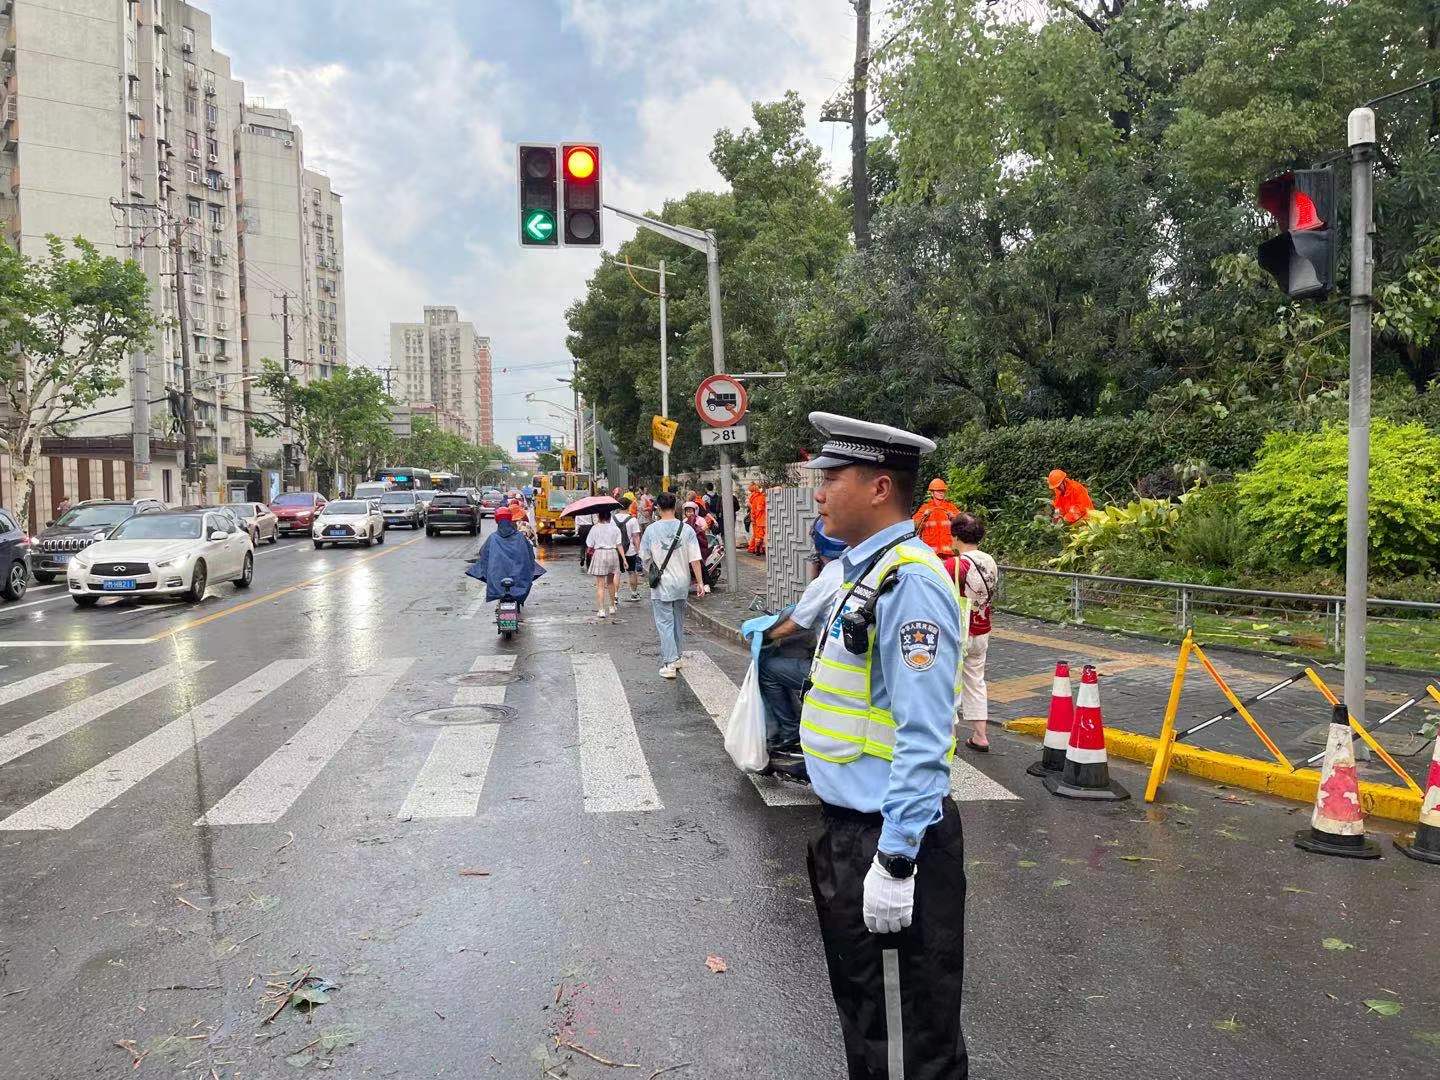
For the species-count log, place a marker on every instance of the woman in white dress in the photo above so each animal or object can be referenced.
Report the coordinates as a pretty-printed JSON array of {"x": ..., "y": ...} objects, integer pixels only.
[{"x": 604, "y": 546}]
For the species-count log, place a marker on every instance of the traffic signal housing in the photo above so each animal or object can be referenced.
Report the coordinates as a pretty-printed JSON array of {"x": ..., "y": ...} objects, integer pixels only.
[
  {"x": 1302, "y": 257},
  {"x": 539, "y": 199},
  {"x": 580, "y": 185}
]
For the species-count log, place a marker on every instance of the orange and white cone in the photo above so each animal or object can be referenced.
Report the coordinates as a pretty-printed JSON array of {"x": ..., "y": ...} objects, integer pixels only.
[
  {"x": 1425, "y": 845},
  {"x": 1337, "y": 827},
  {"x": 1057, "y": 724},
  {"x": 1087, "y": 768}
]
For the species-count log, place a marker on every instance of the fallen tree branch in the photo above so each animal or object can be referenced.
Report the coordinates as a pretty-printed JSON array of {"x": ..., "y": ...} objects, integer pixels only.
[{"x": 596, "y": 1057}]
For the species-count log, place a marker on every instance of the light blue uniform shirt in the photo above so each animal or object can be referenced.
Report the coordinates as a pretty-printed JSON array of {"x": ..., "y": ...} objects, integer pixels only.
[{"x": 908, "y": 789}]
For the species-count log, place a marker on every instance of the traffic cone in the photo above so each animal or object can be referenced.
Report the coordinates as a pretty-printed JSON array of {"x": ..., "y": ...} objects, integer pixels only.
[
  {"x": 1057, "y": 724},
  {"x": 1425, "y": 845},
  {"x": 1337, "y": 827},
  {"x": 1087, "y": 770}
]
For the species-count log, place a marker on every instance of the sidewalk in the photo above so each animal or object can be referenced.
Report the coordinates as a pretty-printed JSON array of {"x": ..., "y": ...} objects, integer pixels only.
[{"x": 1135, "y": 684}]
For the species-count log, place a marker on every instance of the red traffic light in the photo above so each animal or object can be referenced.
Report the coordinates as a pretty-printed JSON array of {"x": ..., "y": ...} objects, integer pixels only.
[
  {"x": 581, "y": 163},
  {"x": 1302, "y": 257}
]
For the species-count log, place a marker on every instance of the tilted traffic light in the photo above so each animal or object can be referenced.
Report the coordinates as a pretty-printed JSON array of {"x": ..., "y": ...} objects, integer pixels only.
[
  {"x": 539, "y": 200},
  {"x": 1302, "y": 257},
  {"x": 580, "y": 163}
]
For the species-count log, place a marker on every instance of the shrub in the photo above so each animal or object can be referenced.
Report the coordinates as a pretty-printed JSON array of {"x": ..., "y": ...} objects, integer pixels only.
[
  {"x": 1294, "y": 498},
  {"x": 1209, "y": 532},
  {"x": 1142, "y": 523}
]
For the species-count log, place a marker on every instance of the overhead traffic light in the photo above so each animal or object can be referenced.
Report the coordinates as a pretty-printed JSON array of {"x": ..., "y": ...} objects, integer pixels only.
[
  {"x": 1302, "y": 257},
  {"x": 539, "y": 202},
  {"x": 580, "y": 163}
]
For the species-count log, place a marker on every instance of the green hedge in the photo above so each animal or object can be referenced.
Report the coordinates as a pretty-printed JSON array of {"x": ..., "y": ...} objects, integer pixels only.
[{"x": 1109, "y": 454}]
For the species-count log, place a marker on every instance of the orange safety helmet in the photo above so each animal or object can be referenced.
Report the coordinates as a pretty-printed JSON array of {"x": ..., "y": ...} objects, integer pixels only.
[
  {"x": 1056, "y": 478},
  {"x": 939, "y": 485}
]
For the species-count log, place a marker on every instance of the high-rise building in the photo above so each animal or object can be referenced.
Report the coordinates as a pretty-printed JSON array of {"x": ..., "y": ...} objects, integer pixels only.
[
  {"x": 443, "y": 362},
  {"x": 122, "y": 124}
]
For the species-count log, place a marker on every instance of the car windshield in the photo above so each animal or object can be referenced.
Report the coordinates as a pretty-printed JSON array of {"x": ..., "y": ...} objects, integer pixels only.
[
  {"x": 397, "y": 498},
  {"x": 241, "y": 509},
  {"x": 84, "y": 517},
  {"x": 160, "y": 527},
  {"x": 294, "y": 498},
  {"x": 450, "y": 500},
  {"x": 348, "y": 506}
]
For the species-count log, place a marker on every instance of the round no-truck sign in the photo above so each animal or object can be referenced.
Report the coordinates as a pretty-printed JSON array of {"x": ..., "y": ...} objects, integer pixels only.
[{"x": 721, "y": 401}]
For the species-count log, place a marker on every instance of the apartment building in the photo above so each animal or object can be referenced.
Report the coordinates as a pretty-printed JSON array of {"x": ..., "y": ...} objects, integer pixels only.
[
  {"x": 443, "y": 362},
  {"x": 324, "y": 258}
]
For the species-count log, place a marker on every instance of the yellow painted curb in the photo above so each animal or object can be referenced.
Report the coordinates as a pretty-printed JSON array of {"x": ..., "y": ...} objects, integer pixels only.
[{"x": 1380, "y": 800}]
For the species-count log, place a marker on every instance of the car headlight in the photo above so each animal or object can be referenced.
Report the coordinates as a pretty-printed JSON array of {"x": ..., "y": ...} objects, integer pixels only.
[
  {"x": 80, "y": 561},
  {"x": 165, "y": 564}
]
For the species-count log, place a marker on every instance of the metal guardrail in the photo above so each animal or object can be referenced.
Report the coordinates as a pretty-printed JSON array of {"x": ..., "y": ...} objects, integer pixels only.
[{"x": 1187, "y": 596}]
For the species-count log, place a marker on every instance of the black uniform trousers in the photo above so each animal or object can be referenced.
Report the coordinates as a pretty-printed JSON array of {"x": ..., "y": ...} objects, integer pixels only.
[{"x": 916, "y": 973}]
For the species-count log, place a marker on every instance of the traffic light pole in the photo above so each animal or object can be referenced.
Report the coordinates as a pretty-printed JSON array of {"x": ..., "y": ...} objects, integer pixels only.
[
  {"x": 1357, "y": 520},
  {"x": 705, "y": 241}
]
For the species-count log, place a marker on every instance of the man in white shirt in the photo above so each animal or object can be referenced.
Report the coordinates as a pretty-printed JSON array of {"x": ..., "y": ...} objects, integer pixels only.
[
  {"x": 668, "y": 598},
  {"x": 784, "y": 668},
  {"x": 630, "y": 531}
]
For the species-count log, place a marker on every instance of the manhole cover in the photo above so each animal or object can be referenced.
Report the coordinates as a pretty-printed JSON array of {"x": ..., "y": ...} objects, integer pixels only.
[
  {"x": 487, "y": 678},
  {"x": 462, "y": 715}
]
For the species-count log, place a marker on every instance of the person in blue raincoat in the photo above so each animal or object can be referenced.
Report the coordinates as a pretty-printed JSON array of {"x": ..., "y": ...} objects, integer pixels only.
[{"x": 506, "y": 554}]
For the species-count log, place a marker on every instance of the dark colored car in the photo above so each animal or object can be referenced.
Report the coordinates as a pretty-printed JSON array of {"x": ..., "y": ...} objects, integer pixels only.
[
  {"x": 14, "y": 558},
  {"x": 491, "y": 500},
  {"x": 77, "y": 529},
  {"x": 402, "y": 508},
  {"x": 452, "y": 510},
  {"x": 295, "y": 510}
]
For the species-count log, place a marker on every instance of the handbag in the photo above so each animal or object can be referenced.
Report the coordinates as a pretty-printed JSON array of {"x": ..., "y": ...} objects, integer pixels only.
[
  {"x": 745, "y": 730},
  {"x": 655, "y": 573}
]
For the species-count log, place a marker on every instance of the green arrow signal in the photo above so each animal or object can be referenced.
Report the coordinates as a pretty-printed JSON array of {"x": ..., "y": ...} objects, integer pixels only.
[{"x": 538, "y": 225}]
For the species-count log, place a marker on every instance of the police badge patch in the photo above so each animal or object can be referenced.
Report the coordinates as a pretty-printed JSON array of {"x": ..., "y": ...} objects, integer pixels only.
[{"x": 919, "y": 641}]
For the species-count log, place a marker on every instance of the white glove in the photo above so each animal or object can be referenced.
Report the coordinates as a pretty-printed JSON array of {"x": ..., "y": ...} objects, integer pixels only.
[{"x": 889, "y": 901}]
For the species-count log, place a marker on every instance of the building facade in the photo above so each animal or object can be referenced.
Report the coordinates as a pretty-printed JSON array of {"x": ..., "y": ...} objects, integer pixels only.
[{"x": 443, "y": 362}]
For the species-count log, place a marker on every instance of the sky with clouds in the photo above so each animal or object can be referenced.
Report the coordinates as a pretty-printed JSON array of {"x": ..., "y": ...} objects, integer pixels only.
[{"x": 413, "y": 108}]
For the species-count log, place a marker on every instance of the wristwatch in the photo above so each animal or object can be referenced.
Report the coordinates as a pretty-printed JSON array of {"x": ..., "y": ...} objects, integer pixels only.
[{"x": 897, "y": 866}]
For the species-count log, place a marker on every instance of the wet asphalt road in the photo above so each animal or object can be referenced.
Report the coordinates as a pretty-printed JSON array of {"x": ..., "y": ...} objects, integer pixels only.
[{"x": 1183, "y": 940}]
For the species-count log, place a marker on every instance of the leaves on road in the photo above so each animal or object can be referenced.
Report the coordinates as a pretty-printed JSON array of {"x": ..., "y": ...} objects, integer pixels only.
[
  {"x": 1229, "y": 834},
  {"x": 474, "y": 871},
  {"x": 1430, "y": 1038},
  {"x": 1296, "y": 889},
  {"x": 1228, "y": 1024},
  {"x": 1026, "y": 864},
  {"x": 716, "y": 964},
  {"x": 1334, "y": 944},
  {"x": 1059, "y": 883},
  {"x": 1137, "y": 858},
  {"x": 264, "y": 903},
  {"x": 1383, "y": 1006}
]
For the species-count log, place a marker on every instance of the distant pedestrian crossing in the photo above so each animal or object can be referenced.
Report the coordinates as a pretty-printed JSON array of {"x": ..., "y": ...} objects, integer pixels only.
[{"x": 613, "y": 757}]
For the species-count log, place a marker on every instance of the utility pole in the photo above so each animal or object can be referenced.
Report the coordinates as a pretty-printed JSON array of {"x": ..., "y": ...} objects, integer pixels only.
[
  {"x": 289, "y": 417},
  {"x": 191, "y": 457},
  {"x": 139, "y": 395},
  {"x": 664, "y": 379},
  {"x": 1357, "y": 521},
  {"x": 859, "y": 166}
]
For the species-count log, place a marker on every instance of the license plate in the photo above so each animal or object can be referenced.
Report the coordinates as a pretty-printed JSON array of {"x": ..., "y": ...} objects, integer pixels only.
[
  {"x": 61, "y": 559},
  {"x": 448, "y": 513},
  {"x": 335, "y": 531},
  {"x": 119, "y": 584}
]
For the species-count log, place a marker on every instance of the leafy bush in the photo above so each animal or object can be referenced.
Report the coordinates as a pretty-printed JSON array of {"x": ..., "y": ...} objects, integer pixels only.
[
  {"x": 967, "y": 484},
  {"x": 1209, "y": 532},
  {"x": 1294, "y": 498},
  {"x": 1021, "y": 531},
  {"x": 1143, "y": 522}
]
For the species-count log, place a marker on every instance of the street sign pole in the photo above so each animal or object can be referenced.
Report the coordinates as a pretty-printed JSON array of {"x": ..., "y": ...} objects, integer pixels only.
[
  {"x": 664, "y": 381},
  {"x": 1357, "y": 511}
]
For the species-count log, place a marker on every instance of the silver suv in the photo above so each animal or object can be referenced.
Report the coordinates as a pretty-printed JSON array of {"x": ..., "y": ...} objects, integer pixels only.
[{"x": 77, "y": 529}]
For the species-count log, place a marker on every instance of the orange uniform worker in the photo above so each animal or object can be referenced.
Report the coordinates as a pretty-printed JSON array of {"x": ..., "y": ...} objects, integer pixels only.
[
  {"x": 1072, "y": 498},
  {"x": 757, "y": 519},
  {"x": 932, "y": 520}
]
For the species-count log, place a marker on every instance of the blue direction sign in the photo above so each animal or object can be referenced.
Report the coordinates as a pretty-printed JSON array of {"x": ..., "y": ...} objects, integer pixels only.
[{"x": 533, "y": 444}]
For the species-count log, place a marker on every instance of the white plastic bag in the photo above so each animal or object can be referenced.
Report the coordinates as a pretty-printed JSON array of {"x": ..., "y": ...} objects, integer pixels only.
[{"x": 745, "y": 731}]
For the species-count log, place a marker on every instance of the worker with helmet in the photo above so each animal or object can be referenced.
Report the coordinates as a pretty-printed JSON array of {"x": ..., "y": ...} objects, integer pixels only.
[
  {"x": 932, "y": 520},
  {"x": 1071, "y": 498}
]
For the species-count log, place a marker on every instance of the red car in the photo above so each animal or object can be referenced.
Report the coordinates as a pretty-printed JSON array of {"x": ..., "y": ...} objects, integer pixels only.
[{"x": 295, "y": 510}]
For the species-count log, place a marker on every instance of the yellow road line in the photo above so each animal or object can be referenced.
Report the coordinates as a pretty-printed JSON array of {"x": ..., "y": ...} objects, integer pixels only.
[{"x": 272, "y": 595}]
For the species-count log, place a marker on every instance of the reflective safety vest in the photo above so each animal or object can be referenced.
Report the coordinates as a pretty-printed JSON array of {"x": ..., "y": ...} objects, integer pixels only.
[{"x": 838, "y": 721}]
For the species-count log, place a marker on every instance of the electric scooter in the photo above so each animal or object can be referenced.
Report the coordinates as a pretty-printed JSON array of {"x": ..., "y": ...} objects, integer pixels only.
[{"x": 507, "y": 611}]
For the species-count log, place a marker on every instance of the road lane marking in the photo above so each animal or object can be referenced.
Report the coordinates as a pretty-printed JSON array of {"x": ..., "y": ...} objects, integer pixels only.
[
  {"x": 272, "y": 787},
  {"x": 74, "y": 801},
  {"x": 717, "y": 696},
  {"x": 474, "y": 608},
  {"x": 495, "y": 663},
  {"x": 8, "y": 608},
  {"x": 44, "y": 680},
  {"x": 48, "y": 728},
  {"x": 453, "y": 776},
  {"x": 614, "y": 774}
]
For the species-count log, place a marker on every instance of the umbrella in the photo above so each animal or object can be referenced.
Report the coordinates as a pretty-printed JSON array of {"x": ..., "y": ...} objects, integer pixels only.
[{"x": 590, "y": 504}]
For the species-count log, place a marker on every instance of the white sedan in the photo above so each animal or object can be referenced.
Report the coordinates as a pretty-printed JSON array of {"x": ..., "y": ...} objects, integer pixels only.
[
  {"x": 348, "y": 521},
  {"x": 169, "y": 554}
]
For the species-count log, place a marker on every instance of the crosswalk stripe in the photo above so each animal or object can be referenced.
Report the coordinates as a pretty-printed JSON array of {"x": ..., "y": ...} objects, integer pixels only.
[
  {"x": 498, "y": 663},
  {"x": 48, "y": 728},
  {"x": 44, "y": 680},
  {"x": 474, "y": 608},
  {"x": 74, "y": 801},
  {"x": 615, "y": 776},
  {"x": 717, "y": 694},
  {"x": 450, "y": 782},
  {"x": 273, "y": 786}
]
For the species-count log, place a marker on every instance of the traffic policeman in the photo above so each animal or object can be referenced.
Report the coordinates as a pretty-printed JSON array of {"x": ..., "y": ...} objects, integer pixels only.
[{"x": 877, "y": 729}]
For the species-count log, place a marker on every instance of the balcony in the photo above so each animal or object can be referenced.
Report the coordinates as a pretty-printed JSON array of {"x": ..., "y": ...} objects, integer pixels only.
[{"x": 7, "y": 49}]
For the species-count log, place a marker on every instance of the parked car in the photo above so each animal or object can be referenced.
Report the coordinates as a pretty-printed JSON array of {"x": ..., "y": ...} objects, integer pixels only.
[
  {"x": 491, "y": 499},
  {"x": 79, "y": 527},
  {"x": 452, "y": 510},
  {"x": 295, "y": 510},
  {"x": 176, "y": 553},
  {"x": 348, "y": 521},
  {"x": 14, "y": 558},
  {"x": 402, "y": 508},
  {"x": 259, "y": 519}
]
